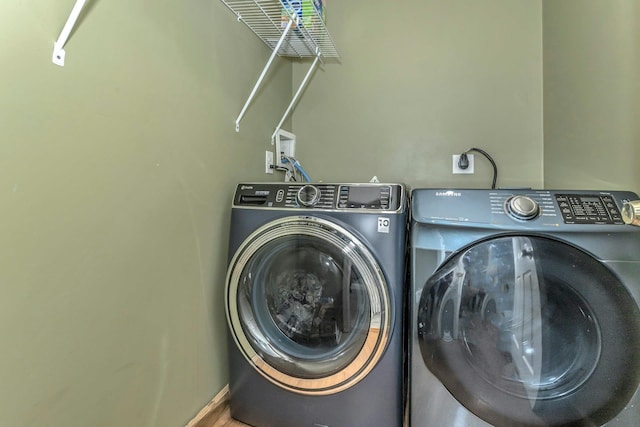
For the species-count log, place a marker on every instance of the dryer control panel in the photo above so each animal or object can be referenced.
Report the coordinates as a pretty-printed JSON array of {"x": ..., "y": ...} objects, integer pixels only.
[
  {"x": 368, "y": 197},
  {"x": 588, "y": 209},
  {"x": 529, "y": 209}
]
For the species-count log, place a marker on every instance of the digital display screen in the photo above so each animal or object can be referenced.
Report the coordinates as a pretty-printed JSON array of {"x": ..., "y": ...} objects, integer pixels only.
[{"x": 364, "y": 195}]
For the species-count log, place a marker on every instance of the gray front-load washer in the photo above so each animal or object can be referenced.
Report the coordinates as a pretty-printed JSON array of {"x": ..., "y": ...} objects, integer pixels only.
[
  {"x": 314, "y": 302},
  {"x": 524, "y": 309}
]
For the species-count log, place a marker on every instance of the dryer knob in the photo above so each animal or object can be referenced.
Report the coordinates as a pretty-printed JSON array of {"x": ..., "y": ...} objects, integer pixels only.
[
  {"x": 631, "y": 212},
  {"x": 522, "y": 207},
  {"x": 308, "y": 195}
]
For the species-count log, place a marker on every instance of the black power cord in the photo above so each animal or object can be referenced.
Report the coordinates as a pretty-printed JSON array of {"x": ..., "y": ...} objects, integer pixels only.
[{"x": 463, "y": 163}]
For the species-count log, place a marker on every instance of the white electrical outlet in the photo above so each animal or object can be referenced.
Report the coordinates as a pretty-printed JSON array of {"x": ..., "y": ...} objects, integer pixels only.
[
  {"x": 268, "y": 162},
  {"x": 456, "y": 168},
  {"x": 285, "y": 145}
]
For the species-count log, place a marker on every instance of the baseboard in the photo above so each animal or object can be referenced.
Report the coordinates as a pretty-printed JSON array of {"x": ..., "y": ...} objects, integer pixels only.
[{"x": 212, "y": 410}]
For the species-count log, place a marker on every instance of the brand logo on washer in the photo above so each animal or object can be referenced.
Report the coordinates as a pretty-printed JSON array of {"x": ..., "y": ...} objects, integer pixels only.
[
  {"x": 383, "y": 224},
  {"x": 246, "y": 187},
  {"x": 448, "y": 194}
]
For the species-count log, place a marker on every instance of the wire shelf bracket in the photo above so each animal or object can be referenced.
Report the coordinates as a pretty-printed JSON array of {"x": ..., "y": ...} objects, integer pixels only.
[
  {"x": 264, "y": 73},
  {"x": 294, "y": 101},
  {"x": 289, "y": 29},
  {"x": 58, "y": 47}
]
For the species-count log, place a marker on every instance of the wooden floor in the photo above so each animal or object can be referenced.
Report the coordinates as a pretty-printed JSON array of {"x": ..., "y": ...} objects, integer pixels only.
[
  {"x": 216, "y": 413},
  {"x": 225, "y": 420}
]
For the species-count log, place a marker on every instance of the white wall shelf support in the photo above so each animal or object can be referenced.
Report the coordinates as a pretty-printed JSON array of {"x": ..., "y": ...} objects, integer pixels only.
[
  {"x": 294, "y": 101},
  {"x": 264, "y": 73},
  {"x": 58, "y": 46}
]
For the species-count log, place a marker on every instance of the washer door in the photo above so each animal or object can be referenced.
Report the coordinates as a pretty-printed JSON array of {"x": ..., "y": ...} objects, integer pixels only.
[
  {"x": 526, "y": 330},
  {"x": 308, "y": 305}
]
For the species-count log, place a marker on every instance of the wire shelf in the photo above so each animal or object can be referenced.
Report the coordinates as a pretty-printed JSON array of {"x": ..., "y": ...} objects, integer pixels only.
[{"x": 268, "y": 19}]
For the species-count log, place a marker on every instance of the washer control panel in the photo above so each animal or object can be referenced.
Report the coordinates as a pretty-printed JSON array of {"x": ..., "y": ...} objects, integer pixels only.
[
  {"x": 365, "y": 197},
  {"x": 369, "y": 197}
]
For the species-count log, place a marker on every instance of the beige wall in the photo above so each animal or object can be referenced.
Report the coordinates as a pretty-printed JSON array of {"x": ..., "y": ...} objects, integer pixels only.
[
  {"x": 592, "y": 94},
  {"x": 116, "y": 173},
  {"x": 420, "y": 82}
]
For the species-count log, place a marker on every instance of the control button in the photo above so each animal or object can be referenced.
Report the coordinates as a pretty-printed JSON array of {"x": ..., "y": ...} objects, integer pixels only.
[
  {"x": 522, "y": 207},
  {"x": 308, "y": 195}
]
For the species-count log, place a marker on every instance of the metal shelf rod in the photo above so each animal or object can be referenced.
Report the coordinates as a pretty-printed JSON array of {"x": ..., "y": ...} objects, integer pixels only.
[
  {"x": 296, "y": 96},
  {"x": 264, "y": 72}
]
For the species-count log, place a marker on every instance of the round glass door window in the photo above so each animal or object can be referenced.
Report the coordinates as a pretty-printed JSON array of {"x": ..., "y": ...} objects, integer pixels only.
[
  {"x": 308, "y": 305},
  {"x": 527, "y": 330}
]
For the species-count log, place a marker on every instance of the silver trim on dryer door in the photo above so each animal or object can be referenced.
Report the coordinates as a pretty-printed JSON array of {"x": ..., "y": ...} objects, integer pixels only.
[{"x": 268, "y": 349}]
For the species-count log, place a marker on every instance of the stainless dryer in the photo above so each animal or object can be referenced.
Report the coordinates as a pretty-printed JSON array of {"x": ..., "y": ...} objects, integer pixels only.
[
  {"x": 524, "y": 309},
  {"x": 314, "y": 302}
]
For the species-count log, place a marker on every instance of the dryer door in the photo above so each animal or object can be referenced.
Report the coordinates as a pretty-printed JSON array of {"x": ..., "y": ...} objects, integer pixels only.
[
  {"x": 308, "y": 305},
  {"x": 526, "y": 330}
]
